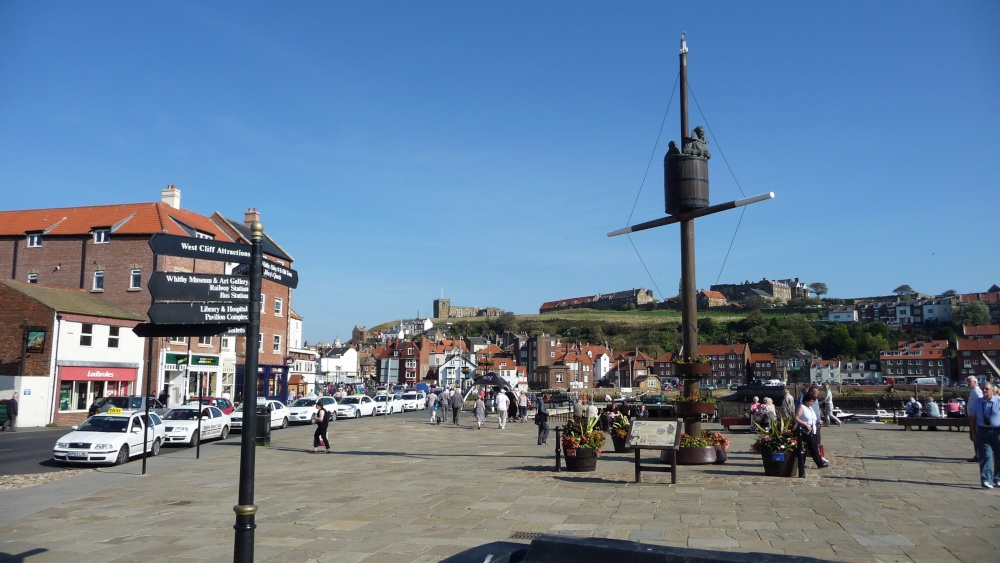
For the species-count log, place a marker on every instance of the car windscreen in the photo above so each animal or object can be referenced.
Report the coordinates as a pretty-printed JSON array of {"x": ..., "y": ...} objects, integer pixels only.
[
  {"x": 304, "y": 403},
  {"x": 410, "y": 396},
  {"x": 181, "y": 414},
  {"x": 120, "y": 402},
  {"x": 104, "y": 424},
  {"x": 350, "y": 401}
]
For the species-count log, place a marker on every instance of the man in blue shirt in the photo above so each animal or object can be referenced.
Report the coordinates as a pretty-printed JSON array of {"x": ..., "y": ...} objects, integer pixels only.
[{"x": 985, "y": 423}]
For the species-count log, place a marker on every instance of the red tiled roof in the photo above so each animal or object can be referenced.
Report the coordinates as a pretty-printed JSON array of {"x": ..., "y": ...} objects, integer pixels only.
[
  {"x": 721, "y": 349},
  {"x": 979, "y": 345},
  {"x": 713, "y": 294},
  {"x": 986, "y": 330},
  {"x": 761, "y": 357},
  {"x": 123, "y": 219}
]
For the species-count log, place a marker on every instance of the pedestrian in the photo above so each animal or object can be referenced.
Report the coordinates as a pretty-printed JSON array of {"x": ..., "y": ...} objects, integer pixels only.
[
  {"x": 432, "y": 400},
  {"x": 592, "y": 412},
  {"x": 502, "y": 403},
  {"x": 511, "y": 405},
  {"x": 787, "y": 410},
  {"x": 444, "y": 403},
  {"x": 807, "y": 422},
  {"x": 94, "y": 409},
  {"x": 11, "y": 405},
  {"x": 826, "y": 406},
  {"x": 975, "y": 393},
  {"x": 542, "y": 421},
  {"x": 522, "y": 407},
  {"x": 457, "y": 401},
  {"x": 913, "y": 408},
  {"x": 163, "y": 397},
  {"x": 322, "y": 424},
  {"x": 480, "y": 410},
  {"x": 291, "y": 395},
  {"x": 579, "y": 411},
  {"x": 985, "y": 422},
  {"x": 813, "y": 390}
]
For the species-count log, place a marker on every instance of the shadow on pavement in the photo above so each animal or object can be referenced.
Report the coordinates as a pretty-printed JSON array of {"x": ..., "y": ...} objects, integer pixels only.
[{"x": 20, "y": 557}]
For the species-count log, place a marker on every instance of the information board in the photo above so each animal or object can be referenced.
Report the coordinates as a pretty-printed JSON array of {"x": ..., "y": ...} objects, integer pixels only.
[{"x": 654, "y": 434}]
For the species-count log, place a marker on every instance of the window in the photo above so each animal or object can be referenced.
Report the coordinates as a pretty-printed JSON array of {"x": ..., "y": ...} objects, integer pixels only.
[
  {"x": 32, "y": 278},
  {"x": 135, "y": 281},
  {"x": 277, "y": 306},
  {"x": 113, "y": 333},
  {"x": 35, "y": 240},
  {"x": 178, "y": 339},
  {"x": 86, "y": 334},
  {"x": 552, "y": 354},
  {"x": 102, "y": 236},
  {"x": 558, "y": 378},
  {"x": 204, "y": 341},
  {"x": 276, "y": 347},
  {"x": 260, "y": 342},
  {"x": 99, "y": 280},
  {"x": 227, "y": 343},
  {"x": 263, "y": 301}
]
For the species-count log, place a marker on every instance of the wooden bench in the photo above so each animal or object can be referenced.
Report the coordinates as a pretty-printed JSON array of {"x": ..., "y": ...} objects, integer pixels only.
[
  {"x": 952, "y": 423},
  {"x": 728, "y": 421}
]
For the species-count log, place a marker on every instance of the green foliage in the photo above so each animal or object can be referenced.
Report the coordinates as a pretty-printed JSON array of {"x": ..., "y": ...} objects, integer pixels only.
[
  {"x": 819, "y": 288},
  {"x": 973, "y": 314},
  {"x": 904, "y": 290}
]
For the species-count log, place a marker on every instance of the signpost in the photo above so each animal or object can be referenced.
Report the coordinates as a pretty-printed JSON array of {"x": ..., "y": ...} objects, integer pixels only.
[
  {"x": 206, "y": 312},
  {"x": 182, "y": 286}
]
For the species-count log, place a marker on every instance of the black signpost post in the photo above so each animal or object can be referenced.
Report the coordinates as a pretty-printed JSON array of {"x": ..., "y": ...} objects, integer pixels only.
[{"x": 192, "y": 304}]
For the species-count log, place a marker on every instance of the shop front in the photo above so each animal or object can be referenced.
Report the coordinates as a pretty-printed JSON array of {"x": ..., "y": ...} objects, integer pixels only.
[
  {"x": 199, "y": 377},
  {"x": 272, "y": 382},
  {"x": 81, "y": 386}
]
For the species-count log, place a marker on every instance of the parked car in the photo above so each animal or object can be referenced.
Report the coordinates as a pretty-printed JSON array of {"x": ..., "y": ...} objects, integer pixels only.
[
  {"x": 414, "y": 401},
  {"x": 131, "y": 403},
  {"x": 709, "y": 387},
  {"x": 355, "y": 406},
  {"x": 277, "y": 409},
  {"x": 113, "y": 437},
  {"x": 181, "y": 424},
  {"x": 303, "y": 410},
  {"x": 222, "y": 403},
  {"x": 388, "y": 404}
]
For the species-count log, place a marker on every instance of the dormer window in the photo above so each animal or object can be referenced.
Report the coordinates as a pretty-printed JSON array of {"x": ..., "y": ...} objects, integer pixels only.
[
  {"x": 35, "y": 240},
  {"x": 102, "y": 236}
]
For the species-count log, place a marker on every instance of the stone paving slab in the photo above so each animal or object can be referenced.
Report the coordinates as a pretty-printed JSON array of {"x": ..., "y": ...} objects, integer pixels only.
[{"x": 400, "y": 489}]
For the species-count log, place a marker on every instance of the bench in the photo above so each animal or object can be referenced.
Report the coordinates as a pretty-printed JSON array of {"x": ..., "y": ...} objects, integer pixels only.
[
  {"x": 920, "y": 422},
  {"x": 728, "y": 421}
]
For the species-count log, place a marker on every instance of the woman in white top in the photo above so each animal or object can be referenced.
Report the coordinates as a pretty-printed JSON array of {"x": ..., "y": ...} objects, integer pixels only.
[{"x": 806, "y": 422}]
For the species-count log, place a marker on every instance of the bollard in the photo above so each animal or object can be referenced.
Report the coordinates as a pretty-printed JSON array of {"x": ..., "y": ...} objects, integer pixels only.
[
  {"x": 559, "y": 431},
  {"x": 801, "y": 454}
]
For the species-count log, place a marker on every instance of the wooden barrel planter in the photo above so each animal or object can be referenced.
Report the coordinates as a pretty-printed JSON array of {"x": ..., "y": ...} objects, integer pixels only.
[
  {"x": 776, "y": 467},
  {"x": 584, "y": 459},
  {"x": 690, "y": 407},
  {"x": 620, "y": 444},
  {"x": 693, "y": 456}
]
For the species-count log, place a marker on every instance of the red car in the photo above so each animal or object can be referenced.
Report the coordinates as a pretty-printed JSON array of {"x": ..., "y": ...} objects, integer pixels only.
[{"x": 221, "y": 403}]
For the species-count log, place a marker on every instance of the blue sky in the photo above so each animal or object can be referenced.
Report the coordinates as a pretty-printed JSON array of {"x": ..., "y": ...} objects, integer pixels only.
[{"x": 485, "y": 149}]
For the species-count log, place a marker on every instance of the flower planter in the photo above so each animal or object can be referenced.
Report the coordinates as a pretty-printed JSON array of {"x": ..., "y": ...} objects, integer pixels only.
[
  {"x": 690, "y": 407},
  {"x": 584, "y": 459},
  {"x": 694, "y": 456},
  {"x": 620, "y": 444},
  {"x": 778, "y": 468},
  {"x": 684, "y": 370}
]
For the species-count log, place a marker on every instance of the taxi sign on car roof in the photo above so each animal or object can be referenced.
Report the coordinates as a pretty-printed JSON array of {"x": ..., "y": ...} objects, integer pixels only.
[{"x": 115, "y": 410}]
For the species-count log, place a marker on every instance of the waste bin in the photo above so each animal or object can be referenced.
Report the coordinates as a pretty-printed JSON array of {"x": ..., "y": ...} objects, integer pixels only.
[{"x": 263, "y": 426}]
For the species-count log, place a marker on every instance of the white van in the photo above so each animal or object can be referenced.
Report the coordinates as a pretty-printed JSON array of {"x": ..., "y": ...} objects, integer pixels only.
[{"x": 926, "y": 381}]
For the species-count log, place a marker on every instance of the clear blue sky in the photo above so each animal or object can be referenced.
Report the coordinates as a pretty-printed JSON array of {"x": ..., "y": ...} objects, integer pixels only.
[{"x": 396, "y": 149}]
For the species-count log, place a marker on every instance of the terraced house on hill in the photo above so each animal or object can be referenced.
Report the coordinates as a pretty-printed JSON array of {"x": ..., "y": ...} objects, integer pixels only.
[{"x": 104, "y": 251}]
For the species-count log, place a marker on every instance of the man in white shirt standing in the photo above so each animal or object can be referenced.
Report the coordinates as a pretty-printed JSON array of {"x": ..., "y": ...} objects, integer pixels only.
[
  {"x": 502, "y": 403},
  {"x": 975, "y": 393}
]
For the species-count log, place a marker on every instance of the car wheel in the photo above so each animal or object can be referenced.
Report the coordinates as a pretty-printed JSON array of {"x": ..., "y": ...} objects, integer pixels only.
[
  {"x": 122, "y": 456},
  {"x": 357, "y": 413},
  {"x": 225, "y": 433},
  {"x": 194, "y": 439},
  {"x": 284, "y": 422},
  {"x": 156, "y": 447}
]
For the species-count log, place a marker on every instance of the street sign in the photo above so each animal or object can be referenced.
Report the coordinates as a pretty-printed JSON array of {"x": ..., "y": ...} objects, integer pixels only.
[
  {"x": 150, "y": 330},
  {"x": 280, "y": 274},
  {"x": 182, "y": 286},
  {"x": 205, "y": 249},
  {"x": 199, "y": 313}
]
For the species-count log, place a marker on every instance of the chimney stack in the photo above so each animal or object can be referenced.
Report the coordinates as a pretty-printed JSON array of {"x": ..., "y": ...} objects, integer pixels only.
[
  {"x": 250, "y": 216},
  {"x": 171, "y": 196}
]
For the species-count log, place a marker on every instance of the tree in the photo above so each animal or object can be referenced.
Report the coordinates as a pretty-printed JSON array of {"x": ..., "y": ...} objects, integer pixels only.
[
  {"x": 972, "y": 314},
  {"x": 949, "y": 293},
  {"x": 843, "y": 345},
  {"x": 819, "y": 288},
  {"x": 904, "y": 290}
]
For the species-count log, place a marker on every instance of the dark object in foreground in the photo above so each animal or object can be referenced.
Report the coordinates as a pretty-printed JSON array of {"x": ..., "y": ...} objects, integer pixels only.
[{"x": 556, "y": 549}]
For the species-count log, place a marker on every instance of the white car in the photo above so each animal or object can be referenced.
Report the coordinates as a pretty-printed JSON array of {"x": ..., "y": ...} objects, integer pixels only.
[
  {"x": 355, "y": 406},
  {"x": 303, "y": 410},
  {"x": 182, "y": 425},
  {"x": 277, "y": 409},
  {"x": 112, "y": 437},
  {"x": 414, "y": 401},
  {"x": 390, "y": 404}
]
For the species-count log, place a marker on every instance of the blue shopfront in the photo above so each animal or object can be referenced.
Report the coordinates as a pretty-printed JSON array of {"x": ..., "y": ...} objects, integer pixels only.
[{"x": 272, "y": 382}]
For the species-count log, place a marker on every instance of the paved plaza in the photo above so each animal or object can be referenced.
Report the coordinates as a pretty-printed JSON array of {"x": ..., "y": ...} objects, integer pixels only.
[{"x": 401, "y": 490}]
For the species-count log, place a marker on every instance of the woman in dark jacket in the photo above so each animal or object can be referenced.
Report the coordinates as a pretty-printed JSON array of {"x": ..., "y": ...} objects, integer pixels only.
[{"x": 322, "y": 423}]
